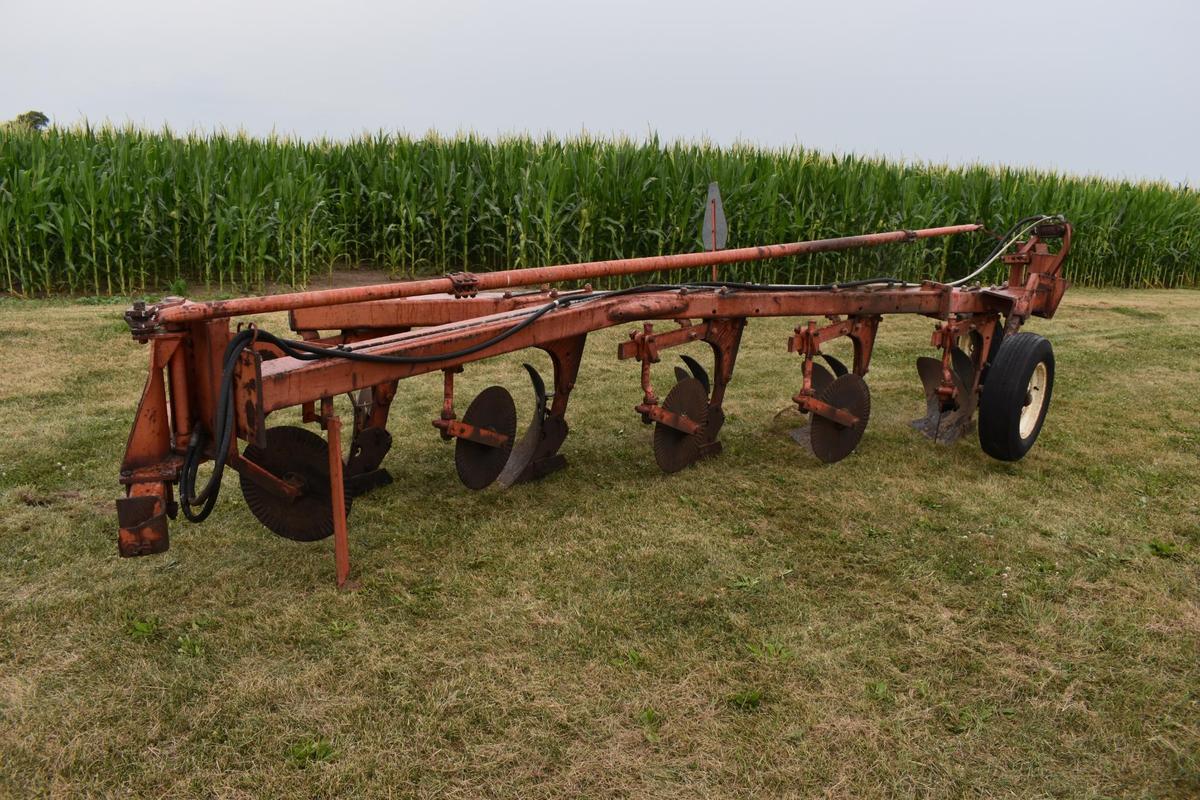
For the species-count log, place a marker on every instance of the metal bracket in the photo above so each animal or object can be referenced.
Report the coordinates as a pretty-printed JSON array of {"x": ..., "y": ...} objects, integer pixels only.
[
  {"x": 680, "y": 422},
  {"x": 465, "y": 284},
  {"x": 808, "y": 338},
  {"x": 143, "y": 526},
  {"x": 448, "y": 415},
  {"x": 646, "y": 345}
]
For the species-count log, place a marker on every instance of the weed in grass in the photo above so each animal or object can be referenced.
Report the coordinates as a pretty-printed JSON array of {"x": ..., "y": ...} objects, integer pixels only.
[
  {"x": 630, "y": 658},
  {"x": 742, "y": 529},
  {"x": 651, "y": 721},
  {"x": 747, "y": 699},
  {"x": 311, "y": 750},
  {"x": 795, "y": 735},
  {"x": 974, "y": 718},
  {"x": 339, "y": 629},
  {"x": 425, "y": 589},
  {"x": 1163, "y": 549},
  {"x": 143, "y": 628},
  {"x": 770, "y": 651},
  {"x": 880, "y": 692},
  {"x": 745, "y": 582},
  {"x": 190, "y": 645}
]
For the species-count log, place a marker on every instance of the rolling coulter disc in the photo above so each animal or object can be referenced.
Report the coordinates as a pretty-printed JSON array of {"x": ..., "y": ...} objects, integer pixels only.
[
  {"x": 674, "y": 449},
  {"x": 298, "y": 454},
  {"x": 478, "y": 465},
  {"x": 829, "y": 440}
]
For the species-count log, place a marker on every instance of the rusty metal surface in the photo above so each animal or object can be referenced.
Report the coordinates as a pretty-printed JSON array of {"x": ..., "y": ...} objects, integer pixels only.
[
  {"x": 416, "y": 312},
  {"x": 142, "y": 525},
  {"x": 288, "y": 382},
  {"x": 367, "y": 450},
  {"x": 549, "y": 428},
  {"x": 339, "y": 500},
  {"x": 525, "y": 451},
  {"x": 819, "y": 378}
]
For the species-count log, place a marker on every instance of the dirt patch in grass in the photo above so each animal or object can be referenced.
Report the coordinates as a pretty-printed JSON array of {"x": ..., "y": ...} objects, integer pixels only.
[{"x": 918, "y": 621}]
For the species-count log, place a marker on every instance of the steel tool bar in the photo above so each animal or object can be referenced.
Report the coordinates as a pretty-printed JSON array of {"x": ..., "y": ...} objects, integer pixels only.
[{"x": 532, "y": 276}]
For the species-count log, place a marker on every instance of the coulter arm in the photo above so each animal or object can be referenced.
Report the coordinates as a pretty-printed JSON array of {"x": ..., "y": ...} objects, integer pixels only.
[{"x": 213, "y": 382}]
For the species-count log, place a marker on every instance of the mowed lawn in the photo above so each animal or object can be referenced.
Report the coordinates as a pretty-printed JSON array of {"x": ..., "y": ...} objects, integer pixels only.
[{"x": 916, "y": 621}]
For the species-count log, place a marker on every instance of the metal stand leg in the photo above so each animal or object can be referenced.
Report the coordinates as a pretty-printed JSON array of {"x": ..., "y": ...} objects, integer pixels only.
[{"x": 337, "y": 494}]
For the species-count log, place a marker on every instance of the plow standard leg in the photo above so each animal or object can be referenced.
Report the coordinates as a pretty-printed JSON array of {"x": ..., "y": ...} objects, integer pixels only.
[
  {"x": 487, "y": 450},
  {"x": 371, "y": 440},
  {"x": 952, "y": 382},
  {"x": 725, "y": 337},
  {"x": 149, "y": 464},
  {"x": 838, "y": 403},
  {"x": 552, "y": 428}
]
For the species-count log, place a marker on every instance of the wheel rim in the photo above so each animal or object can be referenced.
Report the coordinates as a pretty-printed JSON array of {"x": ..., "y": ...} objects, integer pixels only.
[{"x": 1035, "y": 398}]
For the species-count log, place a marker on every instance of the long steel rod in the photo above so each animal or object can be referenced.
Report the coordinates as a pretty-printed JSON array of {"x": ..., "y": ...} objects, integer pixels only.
[{"x": 532, "y": 276}]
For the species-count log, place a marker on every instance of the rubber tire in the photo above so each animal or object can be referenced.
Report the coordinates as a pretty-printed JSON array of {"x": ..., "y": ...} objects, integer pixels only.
[{"x": 1003, "y": 396}]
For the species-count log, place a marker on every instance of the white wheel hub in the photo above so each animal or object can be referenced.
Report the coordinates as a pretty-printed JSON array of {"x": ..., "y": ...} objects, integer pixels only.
[{"x": 1035, "y": 399}]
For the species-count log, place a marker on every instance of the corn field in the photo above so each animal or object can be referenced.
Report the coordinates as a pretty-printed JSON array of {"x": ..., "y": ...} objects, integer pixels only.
[{"x": 128, "y": 211}]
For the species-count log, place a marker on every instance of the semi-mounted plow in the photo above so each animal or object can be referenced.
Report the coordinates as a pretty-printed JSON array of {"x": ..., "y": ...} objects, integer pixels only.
[{"x": 212, "y": 384}]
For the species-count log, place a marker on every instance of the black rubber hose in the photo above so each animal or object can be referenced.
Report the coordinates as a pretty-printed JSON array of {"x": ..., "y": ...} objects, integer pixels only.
[{"x": 188, "y": 497}]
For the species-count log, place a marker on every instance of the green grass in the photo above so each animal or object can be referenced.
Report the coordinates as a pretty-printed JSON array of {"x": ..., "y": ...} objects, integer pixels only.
[
  {"x": 107, "y": 210},
  {"x": 916, "y": 621}
]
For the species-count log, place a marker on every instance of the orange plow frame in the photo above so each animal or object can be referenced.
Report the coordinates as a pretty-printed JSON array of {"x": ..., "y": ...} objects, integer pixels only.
[{"x": 375, "y": 336}]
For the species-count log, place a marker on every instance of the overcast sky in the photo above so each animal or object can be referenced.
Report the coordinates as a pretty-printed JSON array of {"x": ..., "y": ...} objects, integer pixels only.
[{"x": 1086, "y": 87}]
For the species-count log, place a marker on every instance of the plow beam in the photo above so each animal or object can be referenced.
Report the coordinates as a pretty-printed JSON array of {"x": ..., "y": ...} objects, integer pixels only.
[{"x": 289, "y": 382}]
